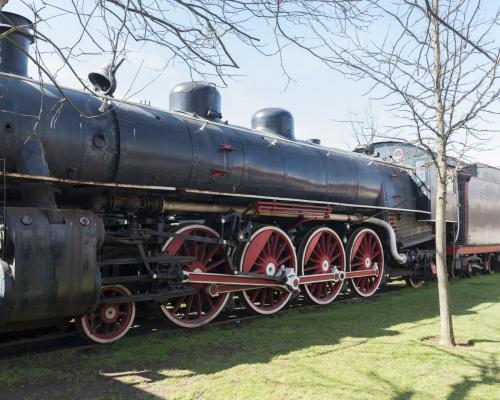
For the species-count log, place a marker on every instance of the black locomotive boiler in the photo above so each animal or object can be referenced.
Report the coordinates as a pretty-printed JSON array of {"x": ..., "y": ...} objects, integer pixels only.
[{"x": 108, "y": 204}]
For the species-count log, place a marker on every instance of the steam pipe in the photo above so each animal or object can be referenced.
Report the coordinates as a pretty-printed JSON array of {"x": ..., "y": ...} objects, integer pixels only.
[
  {"x": 174, "y": 206},
  {"x": 400, "y": 258}
]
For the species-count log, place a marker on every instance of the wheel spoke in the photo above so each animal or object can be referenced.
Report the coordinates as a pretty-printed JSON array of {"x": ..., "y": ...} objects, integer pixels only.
[
  {"x": 317, "y": 290},
  {"x": 198, "y": 304},
  {"x": 194, "y": 248},
  {"x": 203, "y": 251},
  {"x": 263, "y": 296},
  {"x": 209, "y": 300},
  {"x": 186, "y": 249},
  {"x": 210, "y": 254},
  {"x": 178, "y": 305},
  {"x": 280, "y": 250},
  {"x": 187, "y": 310},
  {"x": 275, "y": 245},
  {"x": 283, "y": 260},
  {"x": 329, "y": 247},
  {"x": 271, "y": 295},
  {"x": 215, "y": 264},
  {"x": 334, "y": 253}
]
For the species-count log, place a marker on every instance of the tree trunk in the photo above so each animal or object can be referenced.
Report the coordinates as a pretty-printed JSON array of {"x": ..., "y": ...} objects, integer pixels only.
[{"x": 447, "y": 338}]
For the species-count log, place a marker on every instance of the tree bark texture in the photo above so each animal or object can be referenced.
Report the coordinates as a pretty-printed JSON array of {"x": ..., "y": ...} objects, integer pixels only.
[{"x": 447, "y": 337}]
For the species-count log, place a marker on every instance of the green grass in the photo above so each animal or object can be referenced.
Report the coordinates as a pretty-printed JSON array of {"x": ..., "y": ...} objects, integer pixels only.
[{"x": 363, "y": 350}]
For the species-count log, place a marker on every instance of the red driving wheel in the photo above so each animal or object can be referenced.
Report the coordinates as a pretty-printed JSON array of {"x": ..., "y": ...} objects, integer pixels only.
[
  {"x": 322, "y": 252},
  {"x": 268, "y": 252},
  {"x": 366, "y": 253},
  {"x": 200, "y": 308}
]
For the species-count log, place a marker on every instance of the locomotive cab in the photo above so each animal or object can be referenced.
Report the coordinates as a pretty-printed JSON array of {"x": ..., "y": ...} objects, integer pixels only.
[{"x": 424, "y": 174}]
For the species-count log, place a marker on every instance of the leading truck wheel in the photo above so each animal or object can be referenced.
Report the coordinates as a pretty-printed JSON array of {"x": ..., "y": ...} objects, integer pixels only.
[
  {"x": 199, "y": 309},
  {"x": 110, "y": 321},
  {"x": 268, "y": 251},
  {"x": 366, "y": 253}
]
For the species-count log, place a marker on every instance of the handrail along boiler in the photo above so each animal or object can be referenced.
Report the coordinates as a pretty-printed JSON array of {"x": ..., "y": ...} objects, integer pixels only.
[{"x": 110, "y": 204}]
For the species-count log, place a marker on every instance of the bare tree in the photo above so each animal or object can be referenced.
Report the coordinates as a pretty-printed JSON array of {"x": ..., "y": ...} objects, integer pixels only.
[
  {"x": 200, "y": 35},
  {"x": 363, "y": 128},
  {"x": 436, "y": 69}
]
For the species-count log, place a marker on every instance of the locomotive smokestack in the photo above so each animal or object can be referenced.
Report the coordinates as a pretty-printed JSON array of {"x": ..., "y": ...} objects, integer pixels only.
[{"x": 14, "y": 46}]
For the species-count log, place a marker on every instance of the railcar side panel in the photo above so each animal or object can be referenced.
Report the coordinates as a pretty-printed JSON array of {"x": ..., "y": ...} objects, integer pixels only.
[{"x": 483, "y": 207}]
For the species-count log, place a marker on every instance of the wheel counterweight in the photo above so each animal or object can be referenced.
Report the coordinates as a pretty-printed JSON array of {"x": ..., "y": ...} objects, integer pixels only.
[
  {"x": 322, "y": 252},
  {"x": 268, "y": 252},
  {"x": 365, "y": 253},
  {"x": 110, "y": 321},
  {"x": 200, "y": 308}
]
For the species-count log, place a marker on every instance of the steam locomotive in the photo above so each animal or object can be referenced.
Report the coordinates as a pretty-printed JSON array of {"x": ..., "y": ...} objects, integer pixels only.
[{"x": 108, "y": 204}]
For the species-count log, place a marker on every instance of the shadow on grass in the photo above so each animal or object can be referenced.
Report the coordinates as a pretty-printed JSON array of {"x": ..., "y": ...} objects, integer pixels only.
[
  {"x": 488, "y": 370},
  {"x": 214, "y": 349}
]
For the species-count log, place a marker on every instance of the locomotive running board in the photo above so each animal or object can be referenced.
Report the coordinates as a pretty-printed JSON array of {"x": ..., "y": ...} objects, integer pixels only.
[{"x": 225, "y": 283}]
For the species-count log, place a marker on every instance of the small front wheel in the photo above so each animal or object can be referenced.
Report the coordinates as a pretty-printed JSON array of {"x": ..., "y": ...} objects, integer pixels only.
[{"x": 110, "y": 321}]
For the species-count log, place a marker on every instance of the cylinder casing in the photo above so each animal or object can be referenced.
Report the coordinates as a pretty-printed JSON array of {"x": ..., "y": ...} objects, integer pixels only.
[{"x": 49, "y": 268}]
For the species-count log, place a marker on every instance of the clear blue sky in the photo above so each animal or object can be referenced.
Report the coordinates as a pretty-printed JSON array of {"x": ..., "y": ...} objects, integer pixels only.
[{"x": 318, "y": 99}]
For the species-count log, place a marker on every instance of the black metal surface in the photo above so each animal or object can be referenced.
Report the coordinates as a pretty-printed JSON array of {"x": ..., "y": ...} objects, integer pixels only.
[
  {"x": 120, "y": 280},
  {"x": 274, "y": 120},
  {"x": 15, "y": 46},
  {"x": 161, "y": 259},
  {"x": 144, "y": 146},
  {"x": 200, "y": 98},
  {"x": 74, "y": 146},
  {"x": 49, "y": 269},
  {"x": 158, "y": 297}
]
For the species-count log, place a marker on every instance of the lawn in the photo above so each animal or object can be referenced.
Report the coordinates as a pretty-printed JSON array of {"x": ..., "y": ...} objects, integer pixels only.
[{"x": 360, "y": 350}]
